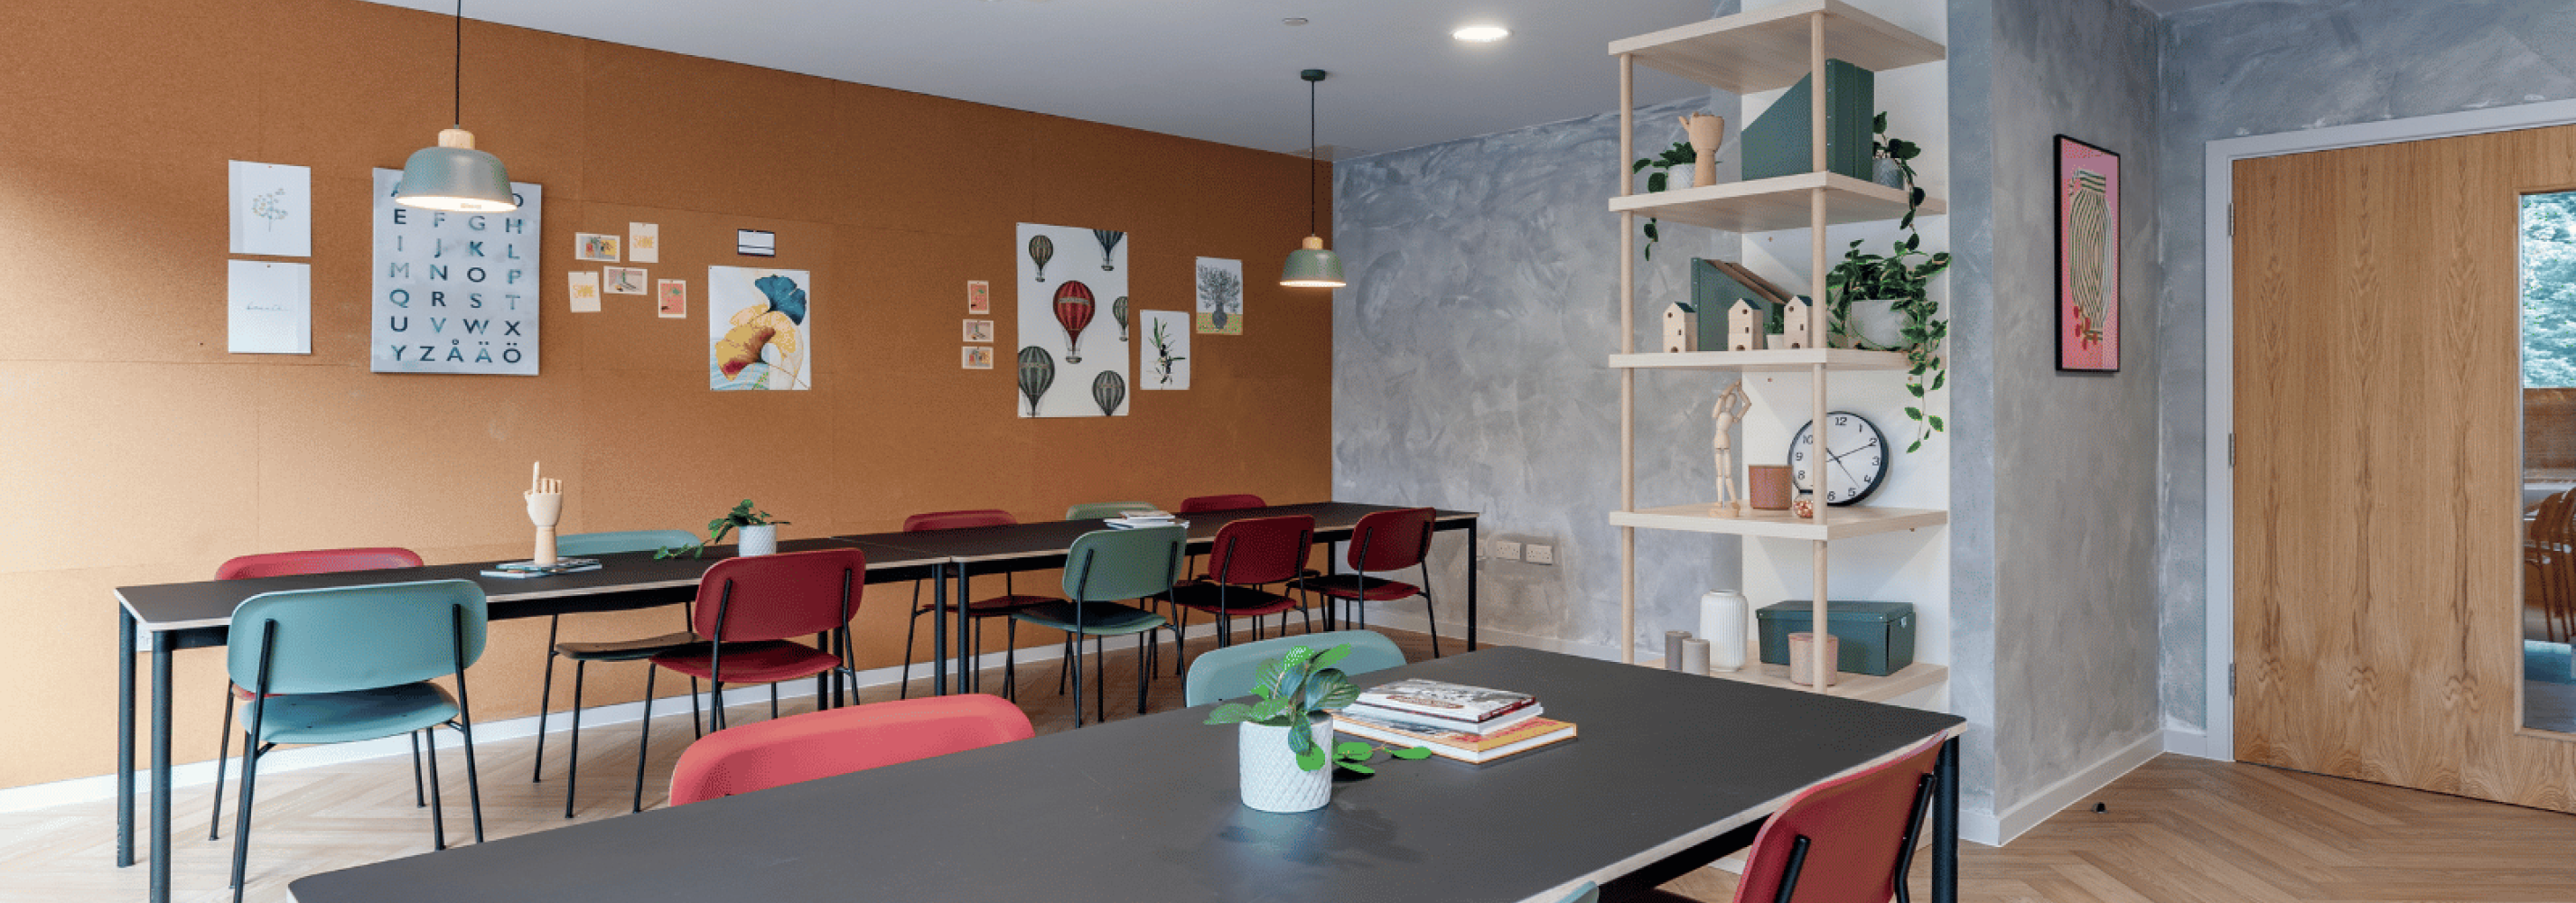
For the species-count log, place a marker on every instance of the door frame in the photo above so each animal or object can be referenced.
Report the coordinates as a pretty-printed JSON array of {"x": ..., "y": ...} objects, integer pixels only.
[{"x": 2218, "y": 253}]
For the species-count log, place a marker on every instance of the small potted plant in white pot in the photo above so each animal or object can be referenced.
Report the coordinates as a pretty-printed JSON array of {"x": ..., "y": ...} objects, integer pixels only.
[
  {"x": 1285, "y": 740},
  {"x": 759, "y": 534}
]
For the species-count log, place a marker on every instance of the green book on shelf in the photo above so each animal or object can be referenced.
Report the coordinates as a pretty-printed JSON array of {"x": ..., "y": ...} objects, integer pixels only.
[
  {"x": 1713, "y": 291},
  {"x": 1777, "y": 142}
]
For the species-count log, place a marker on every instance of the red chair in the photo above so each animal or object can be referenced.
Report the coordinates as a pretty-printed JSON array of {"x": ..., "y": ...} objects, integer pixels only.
[
  {"x": 823, "y": 744},
  {"x": 1382, "y": 542},
  {"x": 1221, "y": 503},
  {"x": 281, "y": 564},
  {"x": 1247, "y": 555},
  {"x": 747, "y": 612},
  {"x": 996, "y": 607},
  {"x": 1847, "y": 839}
]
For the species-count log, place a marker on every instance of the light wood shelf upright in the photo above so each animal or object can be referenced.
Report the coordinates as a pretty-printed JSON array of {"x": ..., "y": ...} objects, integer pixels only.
[{"x": 1760, "y": 50}]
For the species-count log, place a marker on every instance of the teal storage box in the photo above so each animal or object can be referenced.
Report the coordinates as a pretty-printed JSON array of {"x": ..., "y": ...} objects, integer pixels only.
[{"x": 1877, "y": 637}]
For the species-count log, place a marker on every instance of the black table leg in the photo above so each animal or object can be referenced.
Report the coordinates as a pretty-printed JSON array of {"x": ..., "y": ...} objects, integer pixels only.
[
  {"x": 124, "y": 737},
  {"x": 160, "y": 769},
  {"x": 938, "y": 633},
  {"x": 965, "y": 649},
  {"x": 1471, "y": 586},
  {"x": 1945, "y": 825}
]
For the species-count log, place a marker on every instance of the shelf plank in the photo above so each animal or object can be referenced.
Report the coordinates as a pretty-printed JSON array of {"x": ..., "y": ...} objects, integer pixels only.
[
  {"x": 1840, "y": 523},
  {"x": 1863, "y": 687},
  {"x": 1767, "y": 361},
  {"x": 1764, "y": 49},
  {"x": 1769, "y": 205}
]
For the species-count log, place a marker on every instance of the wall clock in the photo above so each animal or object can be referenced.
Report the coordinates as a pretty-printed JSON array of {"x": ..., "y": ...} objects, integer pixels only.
[{"x": 1855, "y": 456}]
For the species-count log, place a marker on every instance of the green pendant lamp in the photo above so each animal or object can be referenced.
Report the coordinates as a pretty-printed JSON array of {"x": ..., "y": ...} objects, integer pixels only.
[
  {"x": 1312, "y": 266},
  {"x": 453, "y": 176}
]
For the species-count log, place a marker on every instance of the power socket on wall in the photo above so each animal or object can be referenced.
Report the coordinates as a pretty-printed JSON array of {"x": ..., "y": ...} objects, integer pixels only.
[
  {"x": 1539, "y": 554},
  {"x": 1507, "y": 550}
]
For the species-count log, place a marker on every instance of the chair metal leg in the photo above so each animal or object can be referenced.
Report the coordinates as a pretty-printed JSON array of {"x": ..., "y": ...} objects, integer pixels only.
[
  {"x": 437, "y": 811},
  {"x": 419, "y": 789},
  {"x": 910, "y": 630},
  {"x": 773, "y": 700},
  {"x": 473, "y": 780},
  {"x": 644, "y": 740},
  {"x": 1011, "y": 661},
  {"x": 697, "y": 722},
  {"x": 572, "y": 759},
  {"x": 1100, "y": 676},
  {"x": 241, "y": 820},
  {"x": 545, "y": 700},
  {"x": 1073, "y": 664},
  {"x": 223, "y": 750},
  {"x": 1430, "y": 619},
  {"x": 715, "y": 706},
  {"x": 1064, "y": 662},
  {"x": 1144, "y": 641}
]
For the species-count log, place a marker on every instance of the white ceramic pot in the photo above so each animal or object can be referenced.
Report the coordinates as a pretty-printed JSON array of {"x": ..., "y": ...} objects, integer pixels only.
[
  {"x": 758, "y": 539},
  {"x": 1876, "y": 321},
  {"x": 1677, "y": 178},
  {"x": 1884, "y": 171},
  {"x": 1721, "y": 622},
  {"x": 1271, "y": 780}
]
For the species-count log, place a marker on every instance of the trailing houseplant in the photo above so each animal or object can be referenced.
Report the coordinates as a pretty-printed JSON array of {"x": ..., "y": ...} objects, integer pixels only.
[
  {"x": 1286, "y": 736},
  {"x": 742, "y": 515},
  {"x": 1680, "y": 154},
  {"x": 1903, "y": 276}
]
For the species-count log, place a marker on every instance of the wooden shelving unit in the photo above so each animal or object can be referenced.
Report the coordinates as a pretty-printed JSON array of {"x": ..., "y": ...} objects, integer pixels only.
[
  {"x": 1917, "y": 676},
  {"x": 1764, "y": 49}
]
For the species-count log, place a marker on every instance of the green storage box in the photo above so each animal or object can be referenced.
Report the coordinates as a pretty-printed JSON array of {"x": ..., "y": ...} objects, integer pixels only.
[{"x": 1877, "y": 637}]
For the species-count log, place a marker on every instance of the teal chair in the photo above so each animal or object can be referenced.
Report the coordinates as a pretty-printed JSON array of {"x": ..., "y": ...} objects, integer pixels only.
[
  {"x": 1099, "y": 510},
  {"x": 1227, "y": 672},
  {"x": 1103, "y": 567},
  {"x": 355, "y": 663},
  {"x": 1588, "y": 893},
  {"x": 583, "y": 545}
]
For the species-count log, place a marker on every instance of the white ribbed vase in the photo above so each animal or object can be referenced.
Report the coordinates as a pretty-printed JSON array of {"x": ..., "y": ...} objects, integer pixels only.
[
  {"x": 758, "y": 539},
  {"x": 1721, "y": 622},
  {"x": 1271, "y": 780}
]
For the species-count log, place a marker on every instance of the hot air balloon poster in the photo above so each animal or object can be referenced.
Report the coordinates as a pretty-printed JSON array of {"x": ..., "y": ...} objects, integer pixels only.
[
  {"x": 1220, "y": 296},
  {"x": 1071, "y": 283},
  {"x": 760, "y": 329}
]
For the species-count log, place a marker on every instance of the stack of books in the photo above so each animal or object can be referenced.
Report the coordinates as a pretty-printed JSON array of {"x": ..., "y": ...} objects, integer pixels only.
[
  {"x": 1134, "y": 519},
  {"x": 1469, "y": 724},
  {"x": 523, "y": 569}
]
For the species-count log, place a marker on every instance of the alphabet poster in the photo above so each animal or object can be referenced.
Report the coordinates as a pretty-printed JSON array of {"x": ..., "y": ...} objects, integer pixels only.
[
  {"x": 455, "y": 292},
  {"x": 760, "y": 329},
  {"x": 1073, "y": 313}
]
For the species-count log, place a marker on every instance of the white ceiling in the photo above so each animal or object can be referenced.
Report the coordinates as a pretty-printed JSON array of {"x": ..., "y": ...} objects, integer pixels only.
[{"x": 1220, "y": 70}]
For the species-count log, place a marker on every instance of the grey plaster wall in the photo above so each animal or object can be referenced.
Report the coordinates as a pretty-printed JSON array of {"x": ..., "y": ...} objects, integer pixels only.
[
  {"x": 2075, "y": 539},
  {"x": 1469, "y": 368},
  {"x": 2252, "y": 68},
  {"x": 1972, "y": 396}
]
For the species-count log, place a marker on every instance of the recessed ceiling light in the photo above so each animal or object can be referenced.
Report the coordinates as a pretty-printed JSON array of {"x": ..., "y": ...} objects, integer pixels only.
[
  {"x": 1481, "y": 34},
  {"x": 1293, "y": 20}
]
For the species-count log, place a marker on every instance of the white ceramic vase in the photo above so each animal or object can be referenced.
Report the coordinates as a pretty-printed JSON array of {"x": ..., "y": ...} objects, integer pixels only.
[
  {"x": 1721, "y": 623},
  {"x": 758, "y": 539},
  {"x": 1271, "y": 780},
  {"x": 1677, "y": 178}
]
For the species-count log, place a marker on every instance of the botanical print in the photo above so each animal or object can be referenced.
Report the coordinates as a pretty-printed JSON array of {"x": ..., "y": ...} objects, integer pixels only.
[
  {"x": 272, "y": 206},
  {"x": 2088, "y": 257},
  {"x": 1220, "y": 296},
  {"x": 1166, "y": 361},
  {"x": 759, "y": 329},
  {"x": 1064, "y": 328}
]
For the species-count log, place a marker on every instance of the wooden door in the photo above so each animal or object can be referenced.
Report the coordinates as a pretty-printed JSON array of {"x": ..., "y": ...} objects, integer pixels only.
[{"x": 2378, "y": 461}]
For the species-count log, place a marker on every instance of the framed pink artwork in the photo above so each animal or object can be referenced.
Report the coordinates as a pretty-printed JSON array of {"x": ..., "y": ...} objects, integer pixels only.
[{"x": 2088, "y": 258}]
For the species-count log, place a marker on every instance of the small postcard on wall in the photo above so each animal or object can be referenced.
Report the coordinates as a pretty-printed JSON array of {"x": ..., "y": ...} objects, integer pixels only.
[
  {"x": 624, "y": 280},
  {"x": 755, "y": 243},
  {"x": 270, "y": 307},
  {"x": 979, "y": 297},
  {"x": 674, "y": 297},
  {"x": 593, "y": 246},
  {"x": 644, "y": 242},
  {"x": 272, "y": 209},
  {"x": 979, "y": 330},
  {"x": 979, "y": 357},
  {"x": 585, "y": 292}
]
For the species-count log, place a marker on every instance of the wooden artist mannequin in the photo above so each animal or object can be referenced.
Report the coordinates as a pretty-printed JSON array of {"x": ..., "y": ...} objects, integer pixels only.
[{"x": 1730, "y": 409}]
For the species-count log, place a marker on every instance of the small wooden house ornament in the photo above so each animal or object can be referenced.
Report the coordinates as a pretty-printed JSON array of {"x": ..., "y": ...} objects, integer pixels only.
[
  {"x": 1797, "y": 324},
  {"x": 1681, "y": 328},
  {"x": 1744, "y": 326}
]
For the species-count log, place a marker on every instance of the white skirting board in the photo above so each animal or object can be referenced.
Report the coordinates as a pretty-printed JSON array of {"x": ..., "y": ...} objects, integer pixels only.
[
  {"x": 2183, "y": 741},
  {"x": 1999, "y": 829}
]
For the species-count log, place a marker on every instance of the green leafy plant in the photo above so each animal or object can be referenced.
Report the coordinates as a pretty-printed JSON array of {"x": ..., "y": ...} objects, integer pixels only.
[
  {"x": 1903, "y": 276},
  {"x": 742, "y": 515},
  {"x": 1294, "y": 690},
  {"x": 1680, "y": 154}
]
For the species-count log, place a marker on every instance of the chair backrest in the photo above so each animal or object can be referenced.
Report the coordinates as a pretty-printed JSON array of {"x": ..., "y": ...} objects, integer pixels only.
[
  {"x": 1098, "y": 510},
  {"x": 1588, "y": 893},
  {"x": 622, "y": 541},
  {"x": 1856, "y": 833},
  {"x": 958, "y": 520},
  {"x": 356, "y": 637},
  {"x": 1109, "y": 565},
  {"x": 317, "y": 561},
  {"x": 777, "y": 597},
  {"x": 1227, "y": 672},
  {"x": 1390, "y": 540},
  {"x": 839, "y": 741},
  {"x": 1261, "y": 550},
  {"x": 1236, "y": 502}
]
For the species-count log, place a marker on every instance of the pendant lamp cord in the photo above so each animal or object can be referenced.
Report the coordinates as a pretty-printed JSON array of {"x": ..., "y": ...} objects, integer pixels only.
[
  {"x": 456, "y": 113},
  {"x": 1310, "y": 154}
]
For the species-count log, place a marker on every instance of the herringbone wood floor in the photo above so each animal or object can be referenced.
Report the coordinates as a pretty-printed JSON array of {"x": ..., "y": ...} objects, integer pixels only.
[{"x": 2179, "y": 830}]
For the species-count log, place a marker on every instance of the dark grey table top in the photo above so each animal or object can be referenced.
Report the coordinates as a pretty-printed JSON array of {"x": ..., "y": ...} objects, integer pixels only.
[
  {"x": 210, "y": 603},
  {"x": 1333, "y": 520},
  {"x": 1145, "y": 808}
]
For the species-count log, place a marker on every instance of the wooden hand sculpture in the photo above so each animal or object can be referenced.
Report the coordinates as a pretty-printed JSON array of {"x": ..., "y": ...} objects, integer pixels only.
[{"x": 545, "y": 508}]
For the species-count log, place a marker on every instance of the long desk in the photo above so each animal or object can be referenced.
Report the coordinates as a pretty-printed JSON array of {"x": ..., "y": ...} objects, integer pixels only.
[
  {"x": 1670, "y": 772},
  {"x": 1042, "y": 545},
  {"x": 193, "y": 615}
]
